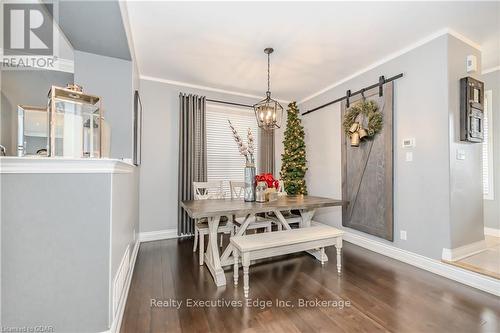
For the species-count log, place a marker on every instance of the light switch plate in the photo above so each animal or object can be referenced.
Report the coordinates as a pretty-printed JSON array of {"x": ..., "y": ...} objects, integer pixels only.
[
  {"x": 471, "y": 63},
  {"x": 460, "y": 154},
  {"x": 408, "y": 143},
  {"x": 402, "y": 234},
  {"x": 409, "y": 156}
]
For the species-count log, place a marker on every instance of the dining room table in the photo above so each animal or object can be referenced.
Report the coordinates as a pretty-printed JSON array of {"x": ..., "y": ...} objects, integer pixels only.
[{"x": 214, "y": 209}]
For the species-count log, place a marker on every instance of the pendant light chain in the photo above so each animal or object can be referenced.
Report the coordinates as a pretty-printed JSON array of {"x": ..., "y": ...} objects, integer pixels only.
[{"x": 268, "y": 73}]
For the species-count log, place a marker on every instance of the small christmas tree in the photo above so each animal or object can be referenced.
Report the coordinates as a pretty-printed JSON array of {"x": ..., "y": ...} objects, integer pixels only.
[{"x": 293, "y": 160}]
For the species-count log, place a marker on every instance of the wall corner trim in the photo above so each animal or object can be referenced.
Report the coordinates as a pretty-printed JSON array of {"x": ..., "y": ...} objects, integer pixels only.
[
  {"x": 117, "y": 320},
  {"x": 463, "y": 251},
  {"x": 150, "y": 236},
  {"x": 472, "y": 279},
  {"x": 492, "y": 232}
]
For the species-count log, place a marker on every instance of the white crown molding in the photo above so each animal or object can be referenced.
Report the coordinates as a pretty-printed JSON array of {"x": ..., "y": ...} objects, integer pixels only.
[
  {"x": 472, "y": 279},
  {"x": 490, "y": 70},
  {"x": 196, "y": 86},
  {"x": 65, "y": 65},
  {"x": 492, "y": 232},
  {"x": 395, "y": 55},
  {"x": 464, "y": 39},
  {"x": 464, "y": 251},
  {"x": 43, "y": 165},
  {"x": 150, "y": 236}
]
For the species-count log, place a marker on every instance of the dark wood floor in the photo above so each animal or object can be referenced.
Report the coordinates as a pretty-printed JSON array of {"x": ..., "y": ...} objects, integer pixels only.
[{"x": 385, "y": 295}]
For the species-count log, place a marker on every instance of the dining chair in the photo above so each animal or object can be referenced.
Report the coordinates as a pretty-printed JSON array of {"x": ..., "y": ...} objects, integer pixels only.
[
  {"x": 237, "y": 191},
  {"x": 205, "y": 191}
]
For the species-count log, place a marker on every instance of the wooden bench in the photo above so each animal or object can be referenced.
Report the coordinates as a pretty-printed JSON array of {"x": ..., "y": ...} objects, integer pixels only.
[{"x": 258, "y": 246}]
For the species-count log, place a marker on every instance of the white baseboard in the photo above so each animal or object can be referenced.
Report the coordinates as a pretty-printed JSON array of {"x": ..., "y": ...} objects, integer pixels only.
[
  {"x": 464, "y": 251},
  {"x": 475, "y": 280},
  {"x": 157, "y": 235},
  {"x": 492, "y": 232},
  {"x": 117, "y": 321}
]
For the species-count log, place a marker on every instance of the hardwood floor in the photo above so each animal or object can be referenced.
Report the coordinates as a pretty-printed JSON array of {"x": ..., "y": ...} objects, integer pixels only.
[{"x": 385, "y": 295}]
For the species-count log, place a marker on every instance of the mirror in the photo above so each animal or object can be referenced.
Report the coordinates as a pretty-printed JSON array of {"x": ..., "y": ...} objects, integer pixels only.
[{"x": 32, "y": 130}]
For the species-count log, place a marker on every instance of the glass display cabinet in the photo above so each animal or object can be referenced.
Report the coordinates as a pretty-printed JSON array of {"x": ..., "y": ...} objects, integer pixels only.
[
  {"x": 32, "y": 130},
  {"x": 75, "y": 123}
]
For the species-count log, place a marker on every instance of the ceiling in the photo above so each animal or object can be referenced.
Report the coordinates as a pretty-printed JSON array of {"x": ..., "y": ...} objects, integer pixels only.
[{"x": 220, "y": 44}]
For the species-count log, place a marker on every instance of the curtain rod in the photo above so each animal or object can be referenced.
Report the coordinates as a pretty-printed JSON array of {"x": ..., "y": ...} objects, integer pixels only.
[
  {"x": 229, "y": 103},
  {"x": 381, "y": 81}
]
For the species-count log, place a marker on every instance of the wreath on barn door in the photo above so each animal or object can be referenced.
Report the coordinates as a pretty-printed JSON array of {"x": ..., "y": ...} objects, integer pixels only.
[{"x": 356, "y": 116}]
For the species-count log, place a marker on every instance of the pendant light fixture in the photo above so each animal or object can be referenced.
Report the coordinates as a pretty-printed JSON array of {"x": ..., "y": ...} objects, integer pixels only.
[{"x": 268, "y": 111}]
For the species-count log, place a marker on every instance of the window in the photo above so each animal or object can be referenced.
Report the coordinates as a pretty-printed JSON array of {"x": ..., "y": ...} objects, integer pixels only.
[
  {"x": 488, "y": 147},
  {"x": 224, "y": 161}
]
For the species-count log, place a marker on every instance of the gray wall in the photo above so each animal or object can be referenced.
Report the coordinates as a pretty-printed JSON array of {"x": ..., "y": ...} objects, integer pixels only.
[
  {"x": 160, "y": 149},
  {"x": 112, "y": 80},
  {"x": 421, "y": 187},
  {"x": 492, "y": 207},
  {"x": 466, "y": 181},
  {"x": 28, "y": 87},
  {"x": 55, "y": 251},
  {"x": 63, "y": 239}
]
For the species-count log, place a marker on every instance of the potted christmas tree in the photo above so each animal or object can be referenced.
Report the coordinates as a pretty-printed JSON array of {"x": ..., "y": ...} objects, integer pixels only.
[{"x": 293, "y": 160}]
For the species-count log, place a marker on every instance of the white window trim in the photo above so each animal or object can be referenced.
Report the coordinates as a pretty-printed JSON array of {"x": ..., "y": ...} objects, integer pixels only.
[{"x": 488, "y": 96}]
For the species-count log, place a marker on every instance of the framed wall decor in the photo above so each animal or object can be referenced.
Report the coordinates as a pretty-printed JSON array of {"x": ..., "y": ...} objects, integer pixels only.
[{"x": 137, "y": 128}]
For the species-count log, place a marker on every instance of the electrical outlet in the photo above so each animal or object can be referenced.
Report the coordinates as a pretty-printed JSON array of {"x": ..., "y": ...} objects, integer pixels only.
[
  {"x": 460, "y": 154},
  {"x": 402, "y": 234}
]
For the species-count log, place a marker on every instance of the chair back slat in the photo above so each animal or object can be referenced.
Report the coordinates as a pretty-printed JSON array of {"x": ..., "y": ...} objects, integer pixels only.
[
  {"x": 237, "y": 189},
  {"x": 208, "y": 190}
]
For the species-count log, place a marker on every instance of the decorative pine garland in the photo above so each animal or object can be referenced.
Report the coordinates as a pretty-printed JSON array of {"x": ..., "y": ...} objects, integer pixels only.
[{"x": 369, "y": 109}]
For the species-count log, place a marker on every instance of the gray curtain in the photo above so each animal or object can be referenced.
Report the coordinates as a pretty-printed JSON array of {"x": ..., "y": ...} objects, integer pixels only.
[
  {"x": 266, "y": 151},
  {"x": 192, "y": 154}
]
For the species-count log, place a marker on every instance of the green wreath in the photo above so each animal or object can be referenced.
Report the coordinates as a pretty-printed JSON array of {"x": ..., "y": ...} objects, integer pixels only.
[{"x": 369, "y": 110}]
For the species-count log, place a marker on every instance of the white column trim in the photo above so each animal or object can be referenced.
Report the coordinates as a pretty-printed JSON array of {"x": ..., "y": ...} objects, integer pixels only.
[{"x": 62, "y": 165}]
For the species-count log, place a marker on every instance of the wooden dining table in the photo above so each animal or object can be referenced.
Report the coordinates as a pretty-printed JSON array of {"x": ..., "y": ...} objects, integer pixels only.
[{"x": 213, "y": 209}]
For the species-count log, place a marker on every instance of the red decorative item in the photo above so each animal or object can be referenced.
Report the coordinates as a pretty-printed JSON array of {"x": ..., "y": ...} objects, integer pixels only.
[{"x": 269, "y": 179}]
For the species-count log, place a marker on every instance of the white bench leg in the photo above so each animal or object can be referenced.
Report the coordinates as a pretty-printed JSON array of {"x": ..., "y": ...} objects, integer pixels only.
[
  {"x": 246, "y": 264},
  {"x": 338, "y": 246},
  {"x": 235, "y": 267},
  {"x": 201, "y": 250},
  {"x": 322, "y": 255}
]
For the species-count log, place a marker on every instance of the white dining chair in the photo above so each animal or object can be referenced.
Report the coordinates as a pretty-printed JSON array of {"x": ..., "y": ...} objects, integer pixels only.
[
  {"x": 205, "y": 191},
  {"x": 237, "y": 191}
]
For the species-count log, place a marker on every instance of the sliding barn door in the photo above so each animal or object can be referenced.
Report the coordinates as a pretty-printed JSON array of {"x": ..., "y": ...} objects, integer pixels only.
[{"x": 367, "y": 173}]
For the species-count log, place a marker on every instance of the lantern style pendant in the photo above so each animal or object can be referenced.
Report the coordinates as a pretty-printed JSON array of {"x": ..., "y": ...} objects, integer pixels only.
[{"x": 268, "y": 112}]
